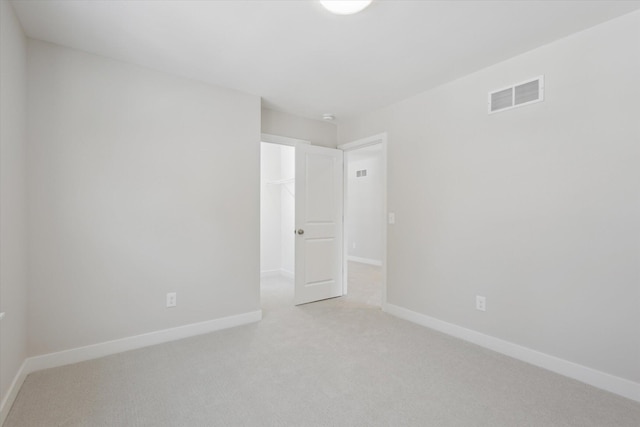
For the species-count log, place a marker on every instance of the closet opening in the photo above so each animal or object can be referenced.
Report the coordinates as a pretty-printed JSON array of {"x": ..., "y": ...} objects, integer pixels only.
[{"x": 277, "y": 221}]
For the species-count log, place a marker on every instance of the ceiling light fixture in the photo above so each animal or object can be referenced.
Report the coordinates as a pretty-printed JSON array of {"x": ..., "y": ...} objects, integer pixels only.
[
  {"x": 345, "y": 7},
  {"x": 328, "y": 117}
]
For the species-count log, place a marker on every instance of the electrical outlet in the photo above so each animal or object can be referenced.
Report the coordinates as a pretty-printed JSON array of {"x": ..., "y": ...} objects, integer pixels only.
[
  {"x": 392, "y": 218},
  {"x": 481, "y": 303},
  {"x": 171, "y": 299}
]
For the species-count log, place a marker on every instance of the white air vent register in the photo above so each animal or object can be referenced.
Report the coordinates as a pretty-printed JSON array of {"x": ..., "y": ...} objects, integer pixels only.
[{"x": 517, "y": 95}]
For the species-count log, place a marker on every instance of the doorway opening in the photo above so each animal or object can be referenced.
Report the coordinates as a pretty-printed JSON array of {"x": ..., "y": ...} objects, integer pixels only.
[
  {"x": 311, "y": 196},
  {"x": 277, "y": 220},
  {"x": 365, "y": 219}
]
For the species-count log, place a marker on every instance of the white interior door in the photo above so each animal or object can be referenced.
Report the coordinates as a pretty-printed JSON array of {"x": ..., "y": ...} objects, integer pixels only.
[{"x": 318, "y": 246}]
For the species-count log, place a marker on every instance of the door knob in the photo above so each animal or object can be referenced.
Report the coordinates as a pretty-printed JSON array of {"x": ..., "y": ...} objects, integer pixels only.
[{"x": 300, "y": 231}]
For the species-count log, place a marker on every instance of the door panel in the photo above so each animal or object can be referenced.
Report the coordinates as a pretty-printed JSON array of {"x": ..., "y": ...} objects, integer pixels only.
[
  {"x": 318, "y": 249},
  {"x": 318, "y": 266}
]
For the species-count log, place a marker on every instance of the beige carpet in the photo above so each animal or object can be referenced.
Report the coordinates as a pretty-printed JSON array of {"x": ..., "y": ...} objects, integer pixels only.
[{"x": 340, "y": 362}]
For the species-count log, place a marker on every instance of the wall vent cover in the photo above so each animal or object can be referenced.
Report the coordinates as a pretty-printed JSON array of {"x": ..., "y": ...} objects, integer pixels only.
[{"x": 528, "y": 92}]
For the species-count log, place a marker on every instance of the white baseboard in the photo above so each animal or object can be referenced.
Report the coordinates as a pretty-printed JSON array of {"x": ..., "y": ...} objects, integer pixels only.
[
  {"x": 94, "y": 351},
  {"x": 286, "y": 273},
  {"x": 365, "y": 260},
  {"x": 10, "y": 397},
  {"x": 277, "y": 273},
  {"x": 608, "y": 382},
  {"x": 107, "y": 348},
  {"x": 269, "y": 273}
]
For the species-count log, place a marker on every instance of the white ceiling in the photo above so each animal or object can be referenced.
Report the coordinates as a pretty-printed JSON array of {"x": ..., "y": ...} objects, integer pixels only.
[{"x": 301, "y": 59}]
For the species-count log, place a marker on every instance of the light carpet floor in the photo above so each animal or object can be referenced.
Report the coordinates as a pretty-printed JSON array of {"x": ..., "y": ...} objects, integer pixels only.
[{"x": 339, "y": 362}]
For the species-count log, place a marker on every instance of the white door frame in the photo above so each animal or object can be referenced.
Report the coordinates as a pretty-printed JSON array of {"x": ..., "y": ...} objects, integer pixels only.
[
  {"x": 282, "y": 140},
  {"x": 380, "y": 138}
]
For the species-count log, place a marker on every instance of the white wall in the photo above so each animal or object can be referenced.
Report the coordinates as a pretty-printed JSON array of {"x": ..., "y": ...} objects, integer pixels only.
[
  {"x": 364, "y": 205},
  {"x": 283, "y": 124},
  {"x": 277, "y": 210},
  {"x": 536, "y": 208},
  {"x": 140, "y": 183},
  {"x": 13, "y": 264}
]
